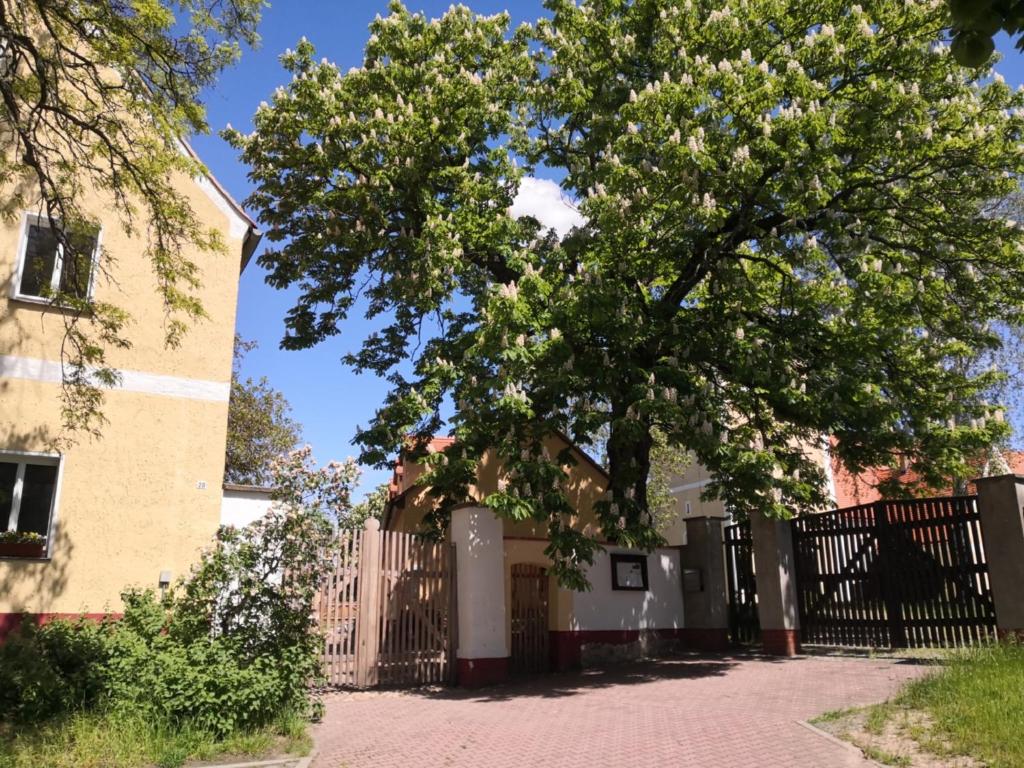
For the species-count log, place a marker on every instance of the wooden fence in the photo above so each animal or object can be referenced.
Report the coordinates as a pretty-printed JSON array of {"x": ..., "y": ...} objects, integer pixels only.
[
  {"x": 387, "y": 611},
  {"x": 894, "y": 573}
]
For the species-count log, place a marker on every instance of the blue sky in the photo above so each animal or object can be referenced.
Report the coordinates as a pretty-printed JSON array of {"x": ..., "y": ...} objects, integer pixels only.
[{"x": 327, "y": 397}]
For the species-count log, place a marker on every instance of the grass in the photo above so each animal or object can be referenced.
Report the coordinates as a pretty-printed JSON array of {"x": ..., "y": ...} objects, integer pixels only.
[
  {"x": 96, "y": 740},
  {"x": 883, "y": 757},
  {"x": 975, "y": 704},
  {"x": 972, "y": 705}
]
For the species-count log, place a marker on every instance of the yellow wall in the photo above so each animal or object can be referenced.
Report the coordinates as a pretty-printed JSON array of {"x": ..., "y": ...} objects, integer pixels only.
[
  {"x": 584, "y": 485},
  {"x": 128, "y": 506},
  {"x": 30, "y": 330}
]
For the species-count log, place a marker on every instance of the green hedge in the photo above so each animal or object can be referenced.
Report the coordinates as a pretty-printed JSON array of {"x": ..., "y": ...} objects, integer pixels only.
[{"x": 142, "y": 665}]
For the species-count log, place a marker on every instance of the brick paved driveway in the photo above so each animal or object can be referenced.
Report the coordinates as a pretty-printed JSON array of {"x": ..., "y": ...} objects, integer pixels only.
[{"x": 695, "y": 711}]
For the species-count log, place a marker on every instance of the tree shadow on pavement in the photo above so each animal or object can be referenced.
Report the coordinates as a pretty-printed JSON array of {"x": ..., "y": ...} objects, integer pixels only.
[{"x": 564, "y": 684}]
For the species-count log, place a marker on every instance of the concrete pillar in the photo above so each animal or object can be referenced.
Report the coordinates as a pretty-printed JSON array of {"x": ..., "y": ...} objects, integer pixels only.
[
  {"x": 775, "y": 566},
  {"x": 1001, "y": 506},
  {"x": 482, "y": 654},
  {"x": 705, "y": 594}
]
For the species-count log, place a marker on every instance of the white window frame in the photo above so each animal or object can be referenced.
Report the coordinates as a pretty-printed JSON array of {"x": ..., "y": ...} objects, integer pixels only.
[
  {"x": 28, "y": 218},
  {"x": 23, "y": 458}
]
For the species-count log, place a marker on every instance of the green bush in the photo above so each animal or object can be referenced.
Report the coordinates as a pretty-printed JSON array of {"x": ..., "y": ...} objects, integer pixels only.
[
  {"x": 230, "y": 649},
  {"x": 209, "y": 681},
  {"x": 51, "y": 669}
]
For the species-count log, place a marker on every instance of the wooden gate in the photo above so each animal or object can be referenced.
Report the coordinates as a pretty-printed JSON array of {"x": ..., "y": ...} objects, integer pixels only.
[
  {"x": 744, "y": 624},
  {"x": 529, "y": 619},
  {"x": 387, "y": 611},
  {"x": 894, "y": 574}
]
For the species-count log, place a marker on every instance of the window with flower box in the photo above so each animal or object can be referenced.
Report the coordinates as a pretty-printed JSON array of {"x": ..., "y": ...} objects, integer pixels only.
[{"x": 28, "y": 492}]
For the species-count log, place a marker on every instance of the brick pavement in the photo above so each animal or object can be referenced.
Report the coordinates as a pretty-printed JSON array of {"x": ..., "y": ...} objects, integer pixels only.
[{"x": 698, "y": 711}]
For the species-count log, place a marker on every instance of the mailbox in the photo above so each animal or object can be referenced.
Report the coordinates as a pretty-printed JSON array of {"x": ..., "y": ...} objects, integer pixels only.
[{"x": 692, "y": 580}]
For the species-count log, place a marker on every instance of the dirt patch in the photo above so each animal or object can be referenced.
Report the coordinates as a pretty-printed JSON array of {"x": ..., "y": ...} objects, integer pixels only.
[{"x": 894, "y": 736}]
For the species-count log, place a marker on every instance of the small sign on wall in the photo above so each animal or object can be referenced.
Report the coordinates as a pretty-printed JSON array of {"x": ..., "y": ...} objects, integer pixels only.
[{"x": 629, "y": 572}]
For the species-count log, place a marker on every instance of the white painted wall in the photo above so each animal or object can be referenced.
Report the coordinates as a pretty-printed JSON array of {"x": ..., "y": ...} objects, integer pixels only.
[
  {"x": 239, "y": 508},
  {"x": 661, "y": 607},
  {"x": 479, "y": 560}
]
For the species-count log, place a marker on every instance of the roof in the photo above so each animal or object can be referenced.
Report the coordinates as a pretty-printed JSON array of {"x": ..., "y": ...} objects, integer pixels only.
[
  {"x": 242, "y": 488},
  {"x": 253, "y": 235},
  {"x": 862, "y": 488},
  {"x": 396, "y": 499}
]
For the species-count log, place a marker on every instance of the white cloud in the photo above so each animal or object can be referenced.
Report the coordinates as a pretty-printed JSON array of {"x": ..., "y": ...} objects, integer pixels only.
[{"x": 543, "y": 199}]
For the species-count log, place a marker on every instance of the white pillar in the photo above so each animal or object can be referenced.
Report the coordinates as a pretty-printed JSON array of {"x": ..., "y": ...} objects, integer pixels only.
[
  {"x": 479, "y": 542},
  {"x": 775, "y": 565}
]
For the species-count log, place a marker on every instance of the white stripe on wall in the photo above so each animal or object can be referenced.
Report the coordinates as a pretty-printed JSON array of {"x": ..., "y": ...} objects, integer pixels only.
[{"x": 34, "y": 369}]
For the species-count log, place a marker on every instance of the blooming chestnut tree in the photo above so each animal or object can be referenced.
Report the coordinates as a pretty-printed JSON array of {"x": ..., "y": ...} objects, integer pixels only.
[{"x": 786, "y": 235}]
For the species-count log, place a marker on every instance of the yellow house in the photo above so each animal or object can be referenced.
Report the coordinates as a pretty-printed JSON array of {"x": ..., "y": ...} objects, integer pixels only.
[
  {"x": 512, "y": 614},
  {"x": 136, "y": 506}
]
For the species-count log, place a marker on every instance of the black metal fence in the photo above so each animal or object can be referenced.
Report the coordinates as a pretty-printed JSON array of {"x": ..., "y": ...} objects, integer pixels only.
[
  {"x": 744, "y": 625},
  {"x": 894, "y": 574}
]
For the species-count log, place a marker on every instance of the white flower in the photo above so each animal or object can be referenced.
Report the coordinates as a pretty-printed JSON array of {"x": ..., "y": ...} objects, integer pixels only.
[
  {"x": 927, "y": 132},
  {"x": 632, "y": 96},
  {"x": 746, "y": 57},
  {"x": 724, "y": 66},
  {"x": 631, "y": 128},
  {"x": 763, "y": 66},
  {"x": 708, "y": 203},
  {"x": 865, "y": 28},
  {"x": 742, "y": 154},
  {"x": 827, "y": 30},
  {"x": 998, "y": 78},
  {"x": 692, "y": 144},
  {"x": 675, "y": 138}
]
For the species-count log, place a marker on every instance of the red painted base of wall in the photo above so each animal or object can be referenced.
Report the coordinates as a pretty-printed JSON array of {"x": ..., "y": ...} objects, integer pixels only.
[
  {"x": 703, "y": 639},
  {"x": 567, "y": 646},
  {"x": 11, "y": 621},
  {"x": 1010, "y": 634},
  {"x": 473, "y": 673},
  {"x": 781, "y": 642}
]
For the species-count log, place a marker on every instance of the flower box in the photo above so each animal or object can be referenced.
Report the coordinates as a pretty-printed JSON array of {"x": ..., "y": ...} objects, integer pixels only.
[{"x": 22, "y": 549}]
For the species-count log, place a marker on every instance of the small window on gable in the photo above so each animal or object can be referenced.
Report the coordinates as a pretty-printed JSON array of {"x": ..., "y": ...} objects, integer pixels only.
[
  {"x": 46, "y": 266},
  {"x": 28, "y": 488}
]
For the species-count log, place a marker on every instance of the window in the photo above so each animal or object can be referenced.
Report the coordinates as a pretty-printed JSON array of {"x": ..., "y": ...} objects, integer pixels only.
[
  {"x": 629, "y": 572},
  {"x": 28, "y": 487},
  {"x": 46, "y": 266}
]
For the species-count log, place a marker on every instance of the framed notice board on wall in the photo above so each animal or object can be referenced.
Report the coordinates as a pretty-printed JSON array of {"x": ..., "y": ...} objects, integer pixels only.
[{"x": 629, "y": 572}]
